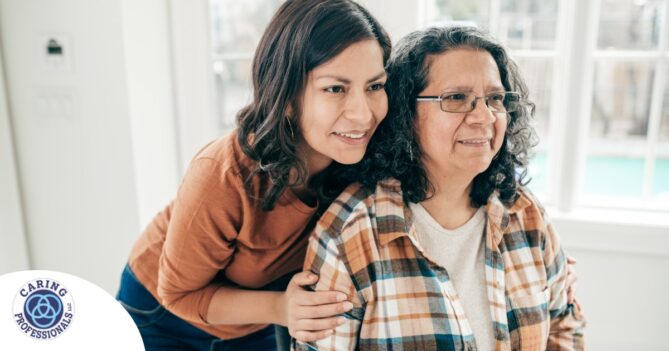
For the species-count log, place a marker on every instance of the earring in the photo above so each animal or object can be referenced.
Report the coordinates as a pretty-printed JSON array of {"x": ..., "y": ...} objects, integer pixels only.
[
  {"x": 410, "y": 152},
  {"x": 290, "y": 126}
]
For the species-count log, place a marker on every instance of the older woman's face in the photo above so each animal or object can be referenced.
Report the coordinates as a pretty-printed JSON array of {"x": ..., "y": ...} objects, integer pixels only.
[{"x": 460, "y": 144}]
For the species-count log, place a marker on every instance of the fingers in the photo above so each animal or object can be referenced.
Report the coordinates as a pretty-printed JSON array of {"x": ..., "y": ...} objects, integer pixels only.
[
  {"x": 322, "y": 324},
  {"x": 322, "y": 311},
  {"x": 571, "y": 260},
  {"x": 304, "y": 278},
  {"x": 306, "y": 336},
  {"x": 311, "y": 298},
  {"x": 312, "y": 315},
  {"x": 315, "y": 329}
]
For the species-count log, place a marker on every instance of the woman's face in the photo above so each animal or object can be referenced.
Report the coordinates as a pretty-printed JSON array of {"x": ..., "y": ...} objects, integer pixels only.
[
  {"x": 343, "y": 102},
  {"x": 457, "y": 145}
]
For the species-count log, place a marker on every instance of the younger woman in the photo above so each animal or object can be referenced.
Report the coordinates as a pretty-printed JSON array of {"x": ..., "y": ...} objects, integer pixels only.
[{"x": 199, "y": 276}]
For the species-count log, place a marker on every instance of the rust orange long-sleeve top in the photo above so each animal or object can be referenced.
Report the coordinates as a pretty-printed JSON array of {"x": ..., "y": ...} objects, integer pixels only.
[{"x": 212, "y": 229}]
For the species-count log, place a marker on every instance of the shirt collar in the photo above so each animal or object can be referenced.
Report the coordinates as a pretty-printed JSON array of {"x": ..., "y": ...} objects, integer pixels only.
[{"x": 394, "y": 220}]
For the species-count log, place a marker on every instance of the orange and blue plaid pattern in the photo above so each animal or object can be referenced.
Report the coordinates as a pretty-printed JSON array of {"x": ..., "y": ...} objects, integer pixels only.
[{"x": 365, "y": 245}]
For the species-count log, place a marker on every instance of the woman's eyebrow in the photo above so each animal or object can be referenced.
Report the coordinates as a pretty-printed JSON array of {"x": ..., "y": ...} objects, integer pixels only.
[
  {"x": 348, "y": 81},
  {"x": 338, "y": 78},
  {"x": 467, "y": 89},
  {"x": 457, "y": 88},
  {"x": 377, "y": 77}
]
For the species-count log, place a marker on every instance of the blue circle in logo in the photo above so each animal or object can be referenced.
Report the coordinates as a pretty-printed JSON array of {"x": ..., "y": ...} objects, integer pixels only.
[{"x": 43, "y": 309}]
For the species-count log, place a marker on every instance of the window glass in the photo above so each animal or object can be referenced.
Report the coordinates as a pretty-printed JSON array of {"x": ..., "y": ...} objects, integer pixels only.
[
  {"x": 233, "y": 89},
  {"x": 474, "y": 12},
  {"x": 527, "y": 24},
  {"x": 630, "y": 24},
  {"x": 538, "y": 74},
  {"x": 621, "y": 100},
  {"x": 236, "y": 26}
]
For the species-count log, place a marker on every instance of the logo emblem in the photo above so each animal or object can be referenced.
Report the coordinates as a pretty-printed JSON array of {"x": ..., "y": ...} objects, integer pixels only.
[{"x": 43, "y": 309}]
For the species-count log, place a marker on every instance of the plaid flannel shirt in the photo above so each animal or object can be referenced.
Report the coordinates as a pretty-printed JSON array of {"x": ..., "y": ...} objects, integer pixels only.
[{"x": 365, "y": 245}]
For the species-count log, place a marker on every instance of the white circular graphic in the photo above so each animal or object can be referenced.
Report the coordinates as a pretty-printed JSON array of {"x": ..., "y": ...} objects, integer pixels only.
[
  {"x": 43, "y": 308},
  {"x": 55, "y": 311}
]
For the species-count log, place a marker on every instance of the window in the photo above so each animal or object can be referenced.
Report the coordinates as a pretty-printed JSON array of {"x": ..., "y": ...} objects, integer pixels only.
[
  {"x": 626, "y": 158},
  {"x": 627, "y": 152},
  {"x": 236, "y": 28},
  {"x": 597, "y": 71}
]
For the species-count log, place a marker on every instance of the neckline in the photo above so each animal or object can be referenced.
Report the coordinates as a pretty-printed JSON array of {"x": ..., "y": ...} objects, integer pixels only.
[{"x": 426, "y": 218}]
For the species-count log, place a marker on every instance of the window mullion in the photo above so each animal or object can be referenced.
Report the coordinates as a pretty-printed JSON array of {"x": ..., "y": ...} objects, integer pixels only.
[
  {"x": 572, "y": 119},
  {"x": 656, "y": 103},
  {"x": 555, "y": 125}
]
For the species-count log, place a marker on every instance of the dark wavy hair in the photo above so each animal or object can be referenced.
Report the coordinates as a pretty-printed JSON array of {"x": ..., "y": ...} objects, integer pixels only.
[
  {"x": 394, "y": 150},
  {"x": 302, "y": 35}
]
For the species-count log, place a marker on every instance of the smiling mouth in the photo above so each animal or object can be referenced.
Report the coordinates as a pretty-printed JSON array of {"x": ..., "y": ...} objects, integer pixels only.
[
  {"x": 351, "y": 135},
  {"x": 481, "y": 141}
]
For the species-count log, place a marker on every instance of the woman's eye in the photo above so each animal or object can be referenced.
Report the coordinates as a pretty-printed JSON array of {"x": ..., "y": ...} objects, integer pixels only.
[
  {"x": 337, "y": 89},
  {"x": 377, "y": 86},
  {"x": 456, "y": 97},
  {"x": 497, "y": 97}
]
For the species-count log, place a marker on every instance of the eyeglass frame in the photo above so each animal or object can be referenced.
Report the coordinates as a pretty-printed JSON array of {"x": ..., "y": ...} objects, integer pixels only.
[{"x": 440, "y": 98}]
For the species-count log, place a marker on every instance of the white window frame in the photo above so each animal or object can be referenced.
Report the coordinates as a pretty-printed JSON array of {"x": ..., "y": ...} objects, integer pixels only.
[
  {"x": 193, "y": 81},
  {"x": 569, "y": 151},
  {"x": 574, "y": 60},
  {"x": 194, "y": 85}
]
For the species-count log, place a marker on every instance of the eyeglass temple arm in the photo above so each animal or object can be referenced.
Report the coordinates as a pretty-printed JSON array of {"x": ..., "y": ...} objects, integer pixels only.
[{"x": 428, "y": 98}]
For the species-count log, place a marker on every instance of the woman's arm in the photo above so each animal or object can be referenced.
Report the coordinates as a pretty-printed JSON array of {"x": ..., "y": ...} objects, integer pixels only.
[
  {"x": 200, "y": 242},
  {"x": 308, "y": 315}
]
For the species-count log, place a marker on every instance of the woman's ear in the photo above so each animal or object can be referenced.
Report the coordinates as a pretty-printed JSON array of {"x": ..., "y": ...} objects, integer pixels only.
[{"x": 289, "y": 112}]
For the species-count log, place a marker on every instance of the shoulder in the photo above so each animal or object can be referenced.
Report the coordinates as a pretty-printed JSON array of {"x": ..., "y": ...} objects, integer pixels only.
[
  {"x": 529, "y": 209},
  {"x": 525, "y": 218},
  {"x": 527, "y": 224},
  {"x": 359, "y": 204},
  {"x": 359, "y": 219},
  {"x": 222, "y": 160},
  {"x": 349, "y": 208},
  {"x": 350, "y": 231},
  {"x": 226, "y": 152},
  {"x": 215, "y": 172}
]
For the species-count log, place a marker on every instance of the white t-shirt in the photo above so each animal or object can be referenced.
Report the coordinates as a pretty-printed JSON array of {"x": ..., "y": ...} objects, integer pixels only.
[{"x": 462, "y": 253}]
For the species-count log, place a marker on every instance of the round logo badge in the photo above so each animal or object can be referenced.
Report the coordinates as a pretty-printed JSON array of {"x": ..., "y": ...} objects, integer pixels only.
[{"x": 43, "y": 309}]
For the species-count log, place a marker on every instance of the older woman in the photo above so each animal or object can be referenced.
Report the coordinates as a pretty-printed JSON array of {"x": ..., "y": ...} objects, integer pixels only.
[{"x": 439, "y": 245}]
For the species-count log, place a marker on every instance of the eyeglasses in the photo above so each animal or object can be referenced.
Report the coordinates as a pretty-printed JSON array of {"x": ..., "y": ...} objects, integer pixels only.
[{"x": 458, "y": 102}]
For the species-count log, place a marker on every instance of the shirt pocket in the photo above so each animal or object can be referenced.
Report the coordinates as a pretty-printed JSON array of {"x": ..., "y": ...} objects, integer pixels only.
[{"x": 529, "y": 320}]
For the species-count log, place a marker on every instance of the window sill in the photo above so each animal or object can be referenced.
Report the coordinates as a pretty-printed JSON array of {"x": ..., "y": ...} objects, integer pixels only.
[{"x": 613, "y": 230}]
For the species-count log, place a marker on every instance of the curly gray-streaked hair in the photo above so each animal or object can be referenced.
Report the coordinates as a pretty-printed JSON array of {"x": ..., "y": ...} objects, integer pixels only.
[{"x": 394, "y": 150}]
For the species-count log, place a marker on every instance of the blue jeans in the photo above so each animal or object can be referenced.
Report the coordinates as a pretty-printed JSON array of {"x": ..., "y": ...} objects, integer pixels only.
[{"x": 162, "y": 330}]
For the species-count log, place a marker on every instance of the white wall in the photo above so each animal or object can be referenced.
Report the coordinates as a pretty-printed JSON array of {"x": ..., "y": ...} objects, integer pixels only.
[
  {"x": 150, "y": 94},
  {"x": 90, "y": 136},
  {"x": 623, "y": 259},
  {"x": 13, "y": 245}
]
